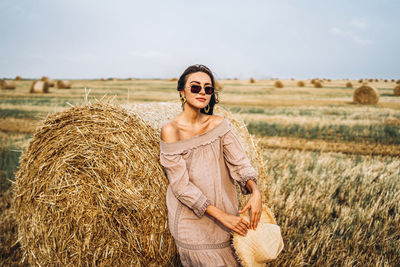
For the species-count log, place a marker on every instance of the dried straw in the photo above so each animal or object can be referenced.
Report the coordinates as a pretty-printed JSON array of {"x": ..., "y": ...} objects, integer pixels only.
[
  {"x": 39, "y": 87},
  {"x": 349, "y": 85},
  {"x": 252, "y": 80},
  {"x": 278, "y": 84},
  {"x": 90, "y": 189},
  {"x": 396, "y": 90},
  {"x": 317, "y": 84},
  {"x": 6, "y": 84},
  {"x": 300, "y": 84},
  {"x": 63, "y": 84},
  {"x": 366, "y": 95},
  {"x": 49, "y": 81}
]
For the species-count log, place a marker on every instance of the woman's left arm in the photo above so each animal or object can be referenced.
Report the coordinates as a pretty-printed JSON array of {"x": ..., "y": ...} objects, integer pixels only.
[
  {"x": 243, "y": 172},
  {"x": 254, "y": 204}
]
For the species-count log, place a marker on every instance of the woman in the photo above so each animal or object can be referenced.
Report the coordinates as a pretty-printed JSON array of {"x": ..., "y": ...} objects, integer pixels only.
[{"x": 202, "y": 158}]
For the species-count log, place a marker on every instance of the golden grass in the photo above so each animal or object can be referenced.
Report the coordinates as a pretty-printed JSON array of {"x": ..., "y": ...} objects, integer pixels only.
[
  {"x": 328, "y": 146},
  {"x": 366, "y": 95}
]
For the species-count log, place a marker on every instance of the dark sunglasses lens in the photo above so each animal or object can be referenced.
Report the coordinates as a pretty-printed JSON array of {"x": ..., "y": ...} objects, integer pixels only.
[
  {"x": 195, "y": 88},
  {"x": 209, "y": 90}
]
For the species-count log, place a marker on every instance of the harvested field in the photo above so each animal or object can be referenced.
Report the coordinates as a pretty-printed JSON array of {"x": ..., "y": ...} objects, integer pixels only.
[{"x": 326, "y": 158}]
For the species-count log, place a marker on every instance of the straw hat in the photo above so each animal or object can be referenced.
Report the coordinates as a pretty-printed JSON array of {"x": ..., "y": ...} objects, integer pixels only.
[{"x": 260, "y": 245}]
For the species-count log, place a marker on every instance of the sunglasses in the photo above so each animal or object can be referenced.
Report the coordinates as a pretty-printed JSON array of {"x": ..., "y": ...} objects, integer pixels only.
[{"x": 195, "y": 89}]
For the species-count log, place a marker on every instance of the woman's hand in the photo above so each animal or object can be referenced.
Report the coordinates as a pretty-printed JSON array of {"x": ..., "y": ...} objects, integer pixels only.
[
  {"x": 235, "y": 223},
  {"x": 255, "y": 205}
]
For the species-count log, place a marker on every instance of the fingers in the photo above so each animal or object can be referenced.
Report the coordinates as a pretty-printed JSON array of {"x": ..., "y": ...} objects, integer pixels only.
[
  {"x": 242, "y": 227},
  {"x": 255, "y": 219}
]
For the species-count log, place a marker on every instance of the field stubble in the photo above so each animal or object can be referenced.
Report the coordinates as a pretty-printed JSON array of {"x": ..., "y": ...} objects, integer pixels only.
[{"x": 333, "y": 208}]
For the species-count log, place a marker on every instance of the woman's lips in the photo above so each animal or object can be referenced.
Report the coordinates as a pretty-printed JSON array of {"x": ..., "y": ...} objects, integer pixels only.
[{"x": 201, "y": 99}]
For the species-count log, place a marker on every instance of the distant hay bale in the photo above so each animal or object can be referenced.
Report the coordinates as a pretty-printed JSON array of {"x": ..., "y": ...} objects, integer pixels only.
[
  {"x": 18, "y": 78},
  {"x": 366, "y": 95},
  {"x": 102, "y": 79},
  {"x": 360, "y": 80},
  {"x": 115, "y": 79},
  {"x": 252, "y": 80},
  {"x": 278, "y": 84},
  {"x": 39, "y": 87},
  {"x": 8, "y": 85},
  {"x": 398, "y": 81},
  {"x": 371, "y": 80},
  {"x": 235, "y": 79},
  {"x": 329, "y": 80},
  {"x": 318, "y": 84},
  {"x": 172, "y": 79},
  {"x": 385, "y": 80},
  {"x": 376, "y": 80},
  {"x": 218, "y": 85},
  {"x": 300, "y": 84},
  {"x": 49, "y": 81},
  {"x": 133, "y": 79},
  {"x": 349, "y": 85},
  {"x": 392, "y": 80},
  {"x": 63, "y": 84},
  {"x": 396, "y": 90},
  {"x": 90, "y": 188}
]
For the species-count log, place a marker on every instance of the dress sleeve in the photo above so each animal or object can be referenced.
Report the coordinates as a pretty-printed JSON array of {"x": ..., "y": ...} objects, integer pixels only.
[
  {"x": 237, "y": 161},
  {"x": 185, "y": 191}
]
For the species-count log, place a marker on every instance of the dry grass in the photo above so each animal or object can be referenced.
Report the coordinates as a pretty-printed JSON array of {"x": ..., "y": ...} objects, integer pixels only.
[
  {"x": 336, "y": 210},
  {"x": 300, "y": 84},
  {"x": 278, "y": 84},
  {"x": 366, "y": 95},
  {"x": 39, "y": 87},
  {"x": 63, "y": 84},
  {"x": 7, "y": 84},
  {"x": 396, "y": 90},
  {"x": 329, "y": 146}
]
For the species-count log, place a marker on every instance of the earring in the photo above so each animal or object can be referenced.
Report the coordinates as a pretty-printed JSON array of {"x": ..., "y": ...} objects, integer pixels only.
[
  {"x": 183, "y": 99},
  {"x": 207, "y": 108}
]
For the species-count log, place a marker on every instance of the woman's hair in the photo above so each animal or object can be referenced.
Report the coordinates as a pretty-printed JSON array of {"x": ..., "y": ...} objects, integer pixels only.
[{"x": 196, "y": 68}]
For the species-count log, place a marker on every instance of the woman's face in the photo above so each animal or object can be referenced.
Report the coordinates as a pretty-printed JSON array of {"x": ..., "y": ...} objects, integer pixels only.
[{"x": 200, "y": 99}]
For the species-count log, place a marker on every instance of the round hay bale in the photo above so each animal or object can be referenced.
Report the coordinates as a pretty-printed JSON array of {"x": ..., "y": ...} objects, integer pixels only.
[
  {"x": 360, "y": 80},
  {"x": 7, "y": 84},
  {"x": 18, "y": 78},
  {"x": 396, "y": 90},
  {"x": 115, "y": 79},
  {"x": 300, "y": 84},
  {"x": 278, "y": 84},
  {"x": 172, "y": 79},
  {"x": 376, "y": 80},
  {"x": 398, "y": 81},
  {"x": 39, "y": 87},
  {"x": 90, "y": 188},
  {"x": 235, "y": 79},
  {"x": 102, "y": 79},
  {"x": 133, "y": 79},
  {"x": 312, "y": 81},
  {"x": 329, "y": 80},
  {"x": 252, "y": 80},
  {"x": 63, "y": 84},
  {"x": 318, "y": 84},
  {"x": 385, "y": 80},
  {"x": 392, "y": 80},
  {"x": 218, "y": 85},
  {"x": 49, "y": 81},
  {"x": 366, "y": 95},
  {"x": 349, "y": 85}
]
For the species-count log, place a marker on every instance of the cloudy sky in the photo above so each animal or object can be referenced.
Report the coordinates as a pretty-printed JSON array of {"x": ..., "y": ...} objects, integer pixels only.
[{"x": 159, "y": 39}]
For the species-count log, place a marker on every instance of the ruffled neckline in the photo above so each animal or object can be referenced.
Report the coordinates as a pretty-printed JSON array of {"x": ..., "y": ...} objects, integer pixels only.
[{"x": 197, "y": 140}]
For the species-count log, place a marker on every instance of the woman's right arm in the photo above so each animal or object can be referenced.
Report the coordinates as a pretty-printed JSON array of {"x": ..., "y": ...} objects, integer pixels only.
[{"x": 235, "y": 223}]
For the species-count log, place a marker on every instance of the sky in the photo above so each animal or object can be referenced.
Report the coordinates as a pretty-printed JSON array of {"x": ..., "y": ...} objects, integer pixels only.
[{"x": 301, "y": 39}]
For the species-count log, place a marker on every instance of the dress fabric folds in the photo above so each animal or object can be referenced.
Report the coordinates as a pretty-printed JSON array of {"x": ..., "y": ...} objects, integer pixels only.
[{"x": 202, "y": 171}]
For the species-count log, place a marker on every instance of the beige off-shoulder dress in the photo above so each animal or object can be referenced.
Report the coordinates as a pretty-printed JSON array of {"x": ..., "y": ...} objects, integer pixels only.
[{"x": 202, "y": 170}]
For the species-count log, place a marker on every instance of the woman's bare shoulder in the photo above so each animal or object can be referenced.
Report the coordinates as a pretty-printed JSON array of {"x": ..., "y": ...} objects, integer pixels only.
[
  {"x": 217, "y": 119},
  {"x": 169, "y": 132}
]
